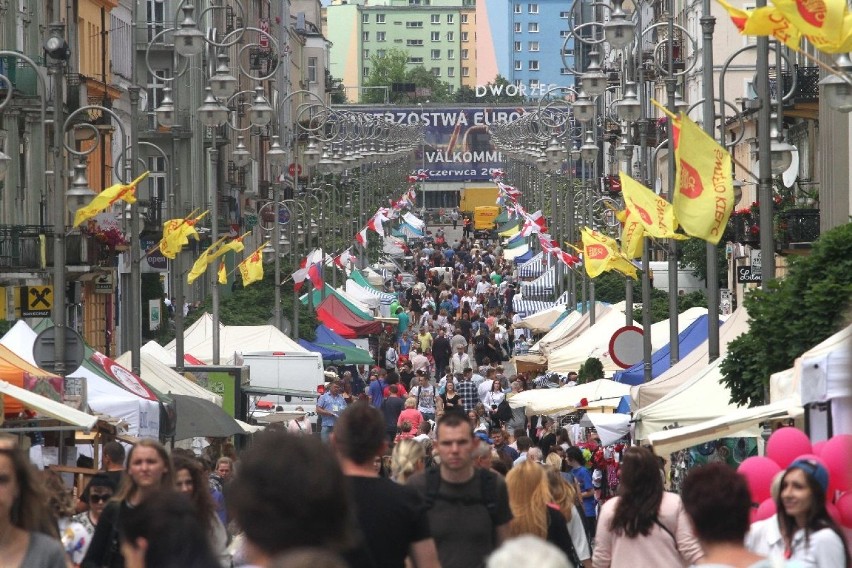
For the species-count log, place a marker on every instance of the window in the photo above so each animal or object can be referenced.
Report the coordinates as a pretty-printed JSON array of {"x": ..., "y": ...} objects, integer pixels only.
[
  {"x": 312, "y": 69},
  {"x": 517, "y": 27},
  {"x": 451, "y": 36},
  {"x": 365, "y": 72},
  {"x": 564, "y": 71},
  {"x": 435, "y": 36},
  {"x": 415, "y": 60},
  {"x": 381, "y": 52},
  {"x": 534, "y": 84},
  {"x": 436, "y": 71},
  {"x": 380, "y": 36},
  {"x": 436, "y": 18},
  {"x": 532, "y": 8},
  {"x": 518, "y": 8},
  {"x": 464, "y": 54},
  {"x": 564, "y": 15},
  {"x": 155, "y": 88},
  {"x": 365, "y": 54},
  {"x": 451, "y": 54},
  {"x": 564, "y": 33},
  {"x": 451, "y": 71},
  {"x": 567, "y": 51},
  {"x": 464, "y": 18},
  {"x": 464, "y": 36},
  {"x": 451, "y": 18},
  {"x": 435, "y": 54},
  {"x": 416, "y": 25},
  {"x": 413, "y": 42},
  {"x": 532, "y": 27},
  {"x": 533, "y": 46},
  {"x": 365, "y": 36},
  {"x": 519, "y": 66},
  {"x": 365, "y": 18},
  {"x": 533, "y": 64},
  {"x": 156, "y": 19},
  {"x": 380, "y": 18},
  {"x": 517, "y": 46},
  {"x": 465, "y": 72}
]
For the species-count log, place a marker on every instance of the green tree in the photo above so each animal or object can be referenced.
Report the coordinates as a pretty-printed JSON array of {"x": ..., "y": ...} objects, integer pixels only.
[
  {"x": 693, "y": 253},
  {"x": 465, "y": 94},
  {"x": 591, "y": 370},
  {"x": 495, "y": 92},
  {"x": 335, "y": 87},
  {"x": 791, "y": 316},
  {"x": 392, "y": 67}
]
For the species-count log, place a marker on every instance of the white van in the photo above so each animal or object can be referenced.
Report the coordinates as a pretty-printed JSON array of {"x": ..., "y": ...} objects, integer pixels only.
[{"x": 286, "y": 380}]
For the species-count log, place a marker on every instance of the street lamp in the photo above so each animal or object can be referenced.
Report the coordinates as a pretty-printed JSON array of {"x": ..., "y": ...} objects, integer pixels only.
[
  {"x": 838, "y": 87},
  {"x": 212, "y": 113},
  {"x": 189, "y": 41}
]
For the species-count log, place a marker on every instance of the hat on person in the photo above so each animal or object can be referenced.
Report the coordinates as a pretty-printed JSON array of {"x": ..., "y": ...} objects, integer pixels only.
[
  {"x": 484, "y": 437},
  {"x": 814, "y": 469}
]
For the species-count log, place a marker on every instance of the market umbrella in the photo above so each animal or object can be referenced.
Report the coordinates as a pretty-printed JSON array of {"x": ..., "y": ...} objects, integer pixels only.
[{"x": 197, "y": 417}]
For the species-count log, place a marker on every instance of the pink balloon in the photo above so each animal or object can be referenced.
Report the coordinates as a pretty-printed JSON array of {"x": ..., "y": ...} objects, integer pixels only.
[
  {"x": 786, "y": 444},
  {"x": 759, "y": 471},
  {"x": 837, "y": 457},
  {"x": 844, "y": 507},
  {"x": 833, "y": 512},
  {"x": 819, "y": 446},
  {"x": 766, "y": 510}
]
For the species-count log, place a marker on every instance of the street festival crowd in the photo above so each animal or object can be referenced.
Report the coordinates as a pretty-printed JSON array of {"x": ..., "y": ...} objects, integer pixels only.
[{"x": 420, "y": 461}]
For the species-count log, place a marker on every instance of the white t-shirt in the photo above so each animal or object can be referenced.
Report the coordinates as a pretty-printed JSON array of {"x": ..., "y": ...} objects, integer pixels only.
[
  {"x": 824, "y": 547},
  {"x": 425, "y": 398}
]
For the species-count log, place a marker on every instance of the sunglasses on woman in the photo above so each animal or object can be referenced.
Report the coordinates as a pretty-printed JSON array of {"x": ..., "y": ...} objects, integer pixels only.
[{"x": 99, "y": 498}]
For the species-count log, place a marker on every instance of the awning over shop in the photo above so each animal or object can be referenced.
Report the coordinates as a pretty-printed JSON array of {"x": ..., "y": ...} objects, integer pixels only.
[
  {"x": 327, "y": 353},
  {"x": 43, "y": 406},
  {"x": 567, "y": 399},
  {"x": 336, "y": 315},
  {"x": 167, "y": 381}
]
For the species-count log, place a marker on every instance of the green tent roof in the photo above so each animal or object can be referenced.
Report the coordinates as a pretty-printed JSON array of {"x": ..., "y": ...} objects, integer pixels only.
[
  {"x": 317, "y": 297},
  {"x": 354, "y": 355}
]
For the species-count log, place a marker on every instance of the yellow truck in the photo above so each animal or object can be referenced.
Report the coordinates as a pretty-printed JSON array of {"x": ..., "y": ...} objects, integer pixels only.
[
  {"x": 473, "y": 197},
  {"x": 485, "y": 221}
]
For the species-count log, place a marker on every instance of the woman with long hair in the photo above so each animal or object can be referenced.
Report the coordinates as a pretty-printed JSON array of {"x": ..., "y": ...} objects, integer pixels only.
[
  {"x": 565, "y": 496},
  {"x": 801, "y": 530},
  {"x": 163, "y": 532},
  {"x": 408, "y": 458},
  {"x": 72, "y": 534},
  {"x": 644, "y": 521},
  {"x": 28, "y": 535},
  {"x": 148, "y": 471},
  {"x": 191, "y": 481},
  {"x": 533, "y": 510}
]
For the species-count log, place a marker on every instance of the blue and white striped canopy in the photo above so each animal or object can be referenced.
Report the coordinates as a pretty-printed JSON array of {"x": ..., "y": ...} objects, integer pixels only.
[
  {"x": 526, "y": 307},
  {"x": 542, "y": 287},
  {"x": 534, "y": 267}
]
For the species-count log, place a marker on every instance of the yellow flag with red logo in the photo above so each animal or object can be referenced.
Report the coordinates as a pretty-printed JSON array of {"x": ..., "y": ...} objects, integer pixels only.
[
  {"x": 176, "y": 233},
  {"x": 203, "y": 261},
  {"x": 222, "y": 274},
  {"x": 655, "y": 213},
  {"x": 764, "y": 21},
  {"x": 105, "y": 199},
  {"x": 632, "y": 234},
  {"x": 251, "y": 268},
  {"x": 821, "y": 19},
  {"x": 704, "y": 195},
  {"x": 600, "y": 254}
]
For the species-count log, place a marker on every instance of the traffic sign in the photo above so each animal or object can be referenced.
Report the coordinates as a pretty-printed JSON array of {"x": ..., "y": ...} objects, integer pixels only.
[
  {"x": 44, "y": 350},
  {"x": 36, "y": 301},
  {"x": 294, "y": 169},
  {"x": 626, "y": 347},
  {"x": 745, "y": 275},
  {"x": 283, "y": 216}
]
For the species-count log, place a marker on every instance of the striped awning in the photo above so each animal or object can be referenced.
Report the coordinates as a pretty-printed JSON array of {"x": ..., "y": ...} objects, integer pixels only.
[
  {"x": 542, "y": 287},
  {"x": 526, "y": 307},
  {"x": 534, "y": 267}
]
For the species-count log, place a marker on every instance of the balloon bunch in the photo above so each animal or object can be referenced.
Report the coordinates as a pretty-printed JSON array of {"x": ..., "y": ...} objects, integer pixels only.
[{"x": 789, "y": 444}]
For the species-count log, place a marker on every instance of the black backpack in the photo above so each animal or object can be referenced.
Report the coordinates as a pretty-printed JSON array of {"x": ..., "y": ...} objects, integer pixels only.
[
  {"x": 504, "y": 411},
  {"x": 487, "y": 498}
]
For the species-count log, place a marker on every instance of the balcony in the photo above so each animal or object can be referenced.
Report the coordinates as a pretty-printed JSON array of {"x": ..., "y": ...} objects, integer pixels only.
[
  {"x": 807, "y": 84},
  {"x": 796, "y": 230},
  {"x": 23, "y": 246},
  {"x": 23, "y": 77}
]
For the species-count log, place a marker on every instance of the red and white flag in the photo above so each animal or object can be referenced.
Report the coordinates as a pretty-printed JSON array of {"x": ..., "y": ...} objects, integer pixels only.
[{"x": 361, "y": 236}]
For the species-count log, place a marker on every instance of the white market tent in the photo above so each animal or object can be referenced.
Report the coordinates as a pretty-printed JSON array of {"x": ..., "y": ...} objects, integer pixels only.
[
  {"x": 373, "y": 277},
  {"x": 513, "y": 253},
  {"x": 167, "y": 381},
  {"x": 703, "y": 397},
  {"x": 610, "y": 427},
  {"x": 560, "y": 329},
  {"x": 594, "y": 342},
  {"x": 645, "y": 394},
  {"x": 570, "y": 333},
  {"x": 104, "y": 397},
  {"x": 566, "y": 399},
  {"x": 824, "y": 371},
  {"x": 233, "y": 340},
  {"x": 354, "y": 290},
  {"x": 660, "y": 333},
  {"x": 541, "y": 322},
  {"x": 741, "y": 422}
]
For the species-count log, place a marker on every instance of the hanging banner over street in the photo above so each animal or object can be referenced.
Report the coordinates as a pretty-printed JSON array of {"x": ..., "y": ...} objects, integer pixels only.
[{"x": 457, "y": 145}]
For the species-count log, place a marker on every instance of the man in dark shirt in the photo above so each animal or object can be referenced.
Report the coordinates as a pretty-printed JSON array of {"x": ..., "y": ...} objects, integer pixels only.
[
  {"x": 391, "y": 408},
  {"x": 391, "y": 517},
  {"x": 442, "y": 352}
]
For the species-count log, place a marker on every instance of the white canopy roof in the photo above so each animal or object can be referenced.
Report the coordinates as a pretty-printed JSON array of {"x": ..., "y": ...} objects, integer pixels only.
[
  {"x": 567, "y": 399},
  {"x": 540, "y": 322},
  {"x": 233, "y": 340},
  {"x": 355, "y": 290},
  {"x": 47, "y": 407},
  {"x": 824, "y": 371},
  {"x": 559, "y": 330},
  {"x": 645, "y": 394},
  {"x": 703, "y": 397},
  {"x": 740, "y": 422},
  {"x": 570, "y": 333},
  {"x": 594, "y": 342},
  {"x": 660, "y": 333},
  {"x": 165, "y": 380},
  {"x": 104, "y": 397},
  {"x": 610, "y": 427}
]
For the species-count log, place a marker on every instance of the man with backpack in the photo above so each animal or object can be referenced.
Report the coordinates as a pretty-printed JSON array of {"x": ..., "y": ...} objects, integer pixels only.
[{"x": 469, "y": 510}]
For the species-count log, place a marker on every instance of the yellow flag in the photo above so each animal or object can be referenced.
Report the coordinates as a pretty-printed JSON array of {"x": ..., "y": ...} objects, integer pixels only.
[
  {"x": 655, "y": 213},
  {"x": 821, "y": 19},
  {"x": 235, "y": 245},
  {"x": 176, "y": 233},
  {"x": 251, "y": 268},
  {"x": 705, "y": 192},
  {"x": 600, "y": 254},
  {"x": 222, "y": 274},
  {"x": 203, "y": 261},
  {"x": 632, "y": 234},
  {"x": 621, "y": 264},
  {"x": 103, "y": 200}
]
